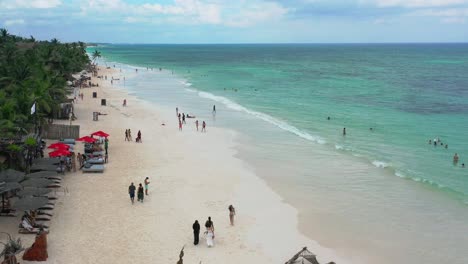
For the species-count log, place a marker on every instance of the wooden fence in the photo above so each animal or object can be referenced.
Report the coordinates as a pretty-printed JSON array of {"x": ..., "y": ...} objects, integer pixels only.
[{"x": 54, "y": 131}]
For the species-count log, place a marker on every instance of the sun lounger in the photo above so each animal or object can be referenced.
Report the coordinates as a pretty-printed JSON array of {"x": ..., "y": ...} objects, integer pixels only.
[
  {"x": 32, "y": 230},
  {"x": 54, "y": 185},
  {"x": 95, "y": 160},
  {"x": 8, "y": 212},
  {"x": 44, "y": 212},
  {"x": 25, "y": 223},
  {"x": 68, "y": 141},
  {"x": 43, "y": 217},
  {"x": 93, "y": 168},
  {"x": 47, "y": 207}
]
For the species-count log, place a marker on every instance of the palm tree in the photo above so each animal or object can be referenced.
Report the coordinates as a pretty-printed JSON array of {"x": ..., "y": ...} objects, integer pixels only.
[
  {"x": 96, "y": 54},
  {"x": 4, "y": 33}
]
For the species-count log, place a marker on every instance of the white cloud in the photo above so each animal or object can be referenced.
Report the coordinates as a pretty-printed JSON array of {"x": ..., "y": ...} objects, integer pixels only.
[
  {"x": 448, "y": 16},
  {"x": 418, "y": 3},
  {"x": 14, "y": 22},
  {"x": 256, "y": 13},
  {"x": 453, "y": 20},
  {"x": 42, "y": 4},
  {"x": 212, "y": 12}
]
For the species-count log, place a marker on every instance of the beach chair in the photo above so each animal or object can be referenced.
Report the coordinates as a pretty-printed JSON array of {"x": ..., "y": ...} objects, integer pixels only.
[
  {"x": 47, "y": 207},
  {"x": 95, "y": 160},
  {"x": 93, "y": 168},
  {"x": 68, "y": 141},
  {"x": 25, "y": 223},
  {"x": 27, "y": 228},
  {"x": 8, "y": 212},
  {"x": 98, "y": 153}
]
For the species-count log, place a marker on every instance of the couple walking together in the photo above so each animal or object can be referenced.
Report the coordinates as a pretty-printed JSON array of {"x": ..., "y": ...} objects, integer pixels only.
[
  {"x": 140, "y": 193},
  {"x": 209, "y": 232},
  {"x": 210, "y": 228}
]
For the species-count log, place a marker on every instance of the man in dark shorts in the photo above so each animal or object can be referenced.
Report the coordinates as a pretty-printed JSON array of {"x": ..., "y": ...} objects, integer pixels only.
[{"x": 131, "y": 192}]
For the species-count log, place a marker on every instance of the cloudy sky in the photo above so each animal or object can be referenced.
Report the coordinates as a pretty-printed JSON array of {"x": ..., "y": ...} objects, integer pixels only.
[{"x": 238, "y": 21}]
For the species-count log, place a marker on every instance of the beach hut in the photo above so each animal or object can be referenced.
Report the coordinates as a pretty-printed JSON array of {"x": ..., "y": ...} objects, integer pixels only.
[{"x": 304, "y": 257}]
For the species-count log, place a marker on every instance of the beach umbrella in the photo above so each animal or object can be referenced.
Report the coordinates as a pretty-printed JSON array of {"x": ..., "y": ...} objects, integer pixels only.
[
  {"x": 37, "y": 182},
  {"x": 33, "y": 191},
  {"x": 10, "y": 175},
  {"x": 59, "y": 153},
  {"x": 100, "y": 134},
  {"x": 6, "y": 187},
  {"x": 43, "y": 167},
  {"x": 87, "y": 139},
  {"x": 46, "y": 161},
  {"x": 9, "y": 186},
  {"x": 30, "y": 203},
  {"x": 58, "y": 146},
  {"x": 41, "y": 174}
]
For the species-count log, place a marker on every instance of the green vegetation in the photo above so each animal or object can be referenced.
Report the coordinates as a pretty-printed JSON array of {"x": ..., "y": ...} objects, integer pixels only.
[{"x": 34, "y": 72}]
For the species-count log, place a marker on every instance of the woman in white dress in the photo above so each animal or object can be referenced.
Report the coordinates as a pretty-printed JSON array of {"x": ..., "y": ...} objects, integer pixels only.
[{"x": 209, "y": 232}]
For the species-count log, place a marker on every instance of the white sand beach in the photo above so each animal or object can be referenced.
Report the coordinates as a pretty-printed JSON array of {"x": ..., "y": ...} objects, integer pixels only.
[{"x": 193, "y": 175}]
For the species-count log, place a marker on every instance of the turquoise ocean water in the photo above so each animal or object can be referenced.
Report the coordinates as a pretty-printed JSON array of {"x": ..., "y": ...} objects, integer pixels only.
[{"x": 386, "y": 194}]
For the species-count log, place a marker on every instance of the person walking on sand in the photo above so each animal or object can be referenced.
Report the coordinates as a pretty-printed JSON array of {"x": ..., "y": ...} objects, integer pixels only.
[
  {"x": 183, "y": 118},
  {"x": 196, "y": 124},
  {"x": 124, "y": 102},
  {"x": 196, "y": 232},
  {"x": 147, "y": 182},
  {"x": 232, "y": 213},
  {"x": 180, "y": 125},
  {"x": 209, "y": 232},
  {"x": 139, "y": 136},
  {"x": 126, "y": 135},
  {"x": 131, "y": 192},
  {"x": 106, "y": 144},
  {"x": 203, "y": 127},
  {"x": 130, "y": 135},
  {"x": 140, "y": 193}
]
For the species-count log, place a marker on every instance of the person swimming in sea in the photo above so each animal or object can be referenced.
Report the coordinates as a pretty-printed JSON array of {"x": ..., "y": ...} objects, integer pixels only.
[{"x": 455, "y": 159}]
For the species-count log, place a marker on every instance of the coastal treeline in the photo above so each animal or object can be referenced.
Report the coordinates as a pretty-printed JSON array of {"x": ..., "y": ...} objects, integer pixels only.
[{"x": 34, "y": 74}]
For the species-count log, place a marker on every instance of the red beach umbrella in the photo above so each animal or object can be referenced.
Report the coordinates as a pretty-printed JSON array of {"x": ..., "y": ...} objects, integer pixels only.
[
  {"x": 100, "y": 134},
  {"x": 58, "y": 146},
  {"x": 59, "y": 153},
  {"x": 86, "y": 139}
]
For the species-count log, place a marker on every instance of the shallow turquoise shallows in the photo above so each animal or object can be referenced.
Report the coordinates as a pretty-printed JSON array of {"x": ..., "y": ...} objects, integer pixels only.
[{"x": 290, "y": 104}]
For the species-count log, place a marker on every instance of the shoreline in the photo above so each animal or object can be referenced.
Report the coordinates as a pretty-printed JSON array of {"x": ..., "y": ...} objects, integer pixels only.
[
  {"x": 193, "y": 176},
  {"x": 335, "y": 213}
]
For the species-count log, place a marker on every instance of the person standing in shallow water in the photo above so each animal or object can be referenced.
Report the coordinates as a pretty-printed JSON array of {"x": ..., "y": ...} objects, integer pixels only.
[
  {"x": 141, "y": 194},
  {"x": 203, "y": 129},
  {"x": 196, "y": 124},
  {"x": 196, "y": 232},
  {"x": 455, "y": 159},
  {"x": 344, "y": 131},
  {"x": 131, "y": 192}
]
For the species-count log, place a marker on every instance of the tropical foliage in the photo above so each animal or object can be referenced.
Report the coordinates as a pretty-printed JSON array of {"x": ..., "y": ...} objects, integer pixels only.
[{"x": 31, "y": 72}]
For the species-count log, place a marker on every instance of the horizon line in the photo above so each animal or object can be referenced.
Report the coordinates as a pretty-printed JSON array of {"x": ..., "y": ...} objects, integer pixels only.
[{"x": 270, "y": 43}]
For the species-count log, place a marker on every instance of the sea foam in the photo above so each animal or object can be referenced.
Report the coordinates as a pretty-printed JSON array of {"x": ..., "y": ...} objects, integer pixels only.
[{"x": 281, "y": 124}]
